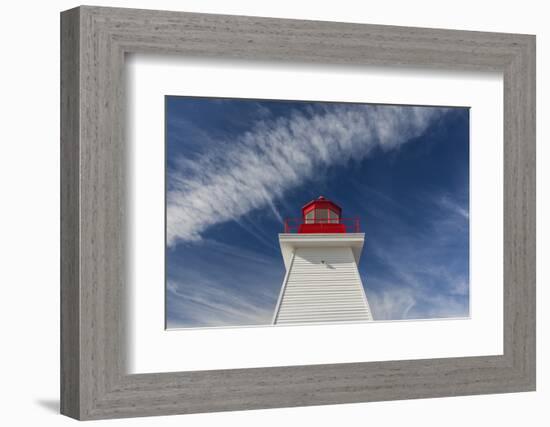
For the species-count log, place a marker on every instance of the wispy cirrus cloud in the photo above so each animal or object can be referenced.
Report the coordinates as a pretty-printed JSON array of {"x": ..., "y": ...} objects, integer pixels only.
[
  {"x": 258, "y": 167},
  {"x": 446, "y": 202},
  {"x": 207, "y": 303},
  {"x": 425, "y": 274},
  {"x": 401, "y": 303},
  {"x": 217, "y": 284}
]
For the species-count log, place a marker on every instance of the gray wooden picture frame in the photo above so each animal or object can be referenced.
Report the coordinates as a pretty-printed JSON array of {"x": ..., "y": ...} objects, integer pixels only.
[{"x": 94, "y": 382}]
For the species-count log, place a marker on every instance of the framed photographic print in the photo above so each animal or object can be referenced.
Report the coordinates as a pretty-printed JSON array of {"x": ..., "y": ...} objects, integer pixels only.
[{"x": 262, "y": 213}]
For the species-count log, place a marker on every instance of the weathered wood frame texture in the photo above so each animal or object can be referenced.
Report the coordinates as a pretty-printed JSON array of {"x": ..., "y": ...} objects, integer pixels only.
[{"x": 94, "y": 41}]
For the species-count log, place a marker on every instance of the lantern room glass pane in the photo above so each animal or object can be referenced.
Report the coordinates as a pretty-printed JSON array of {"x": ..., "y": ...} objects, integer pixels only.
[
  {"x": 309, "y": 217},
  {"x": 333, "y": 217},
  {"x": 321, "y": 216}
]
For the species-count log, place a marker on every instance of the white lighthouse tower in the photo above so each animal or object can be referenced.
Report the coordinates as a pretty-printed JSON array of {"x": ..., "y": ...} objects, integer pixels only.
[{"x": 321, "y": 251}]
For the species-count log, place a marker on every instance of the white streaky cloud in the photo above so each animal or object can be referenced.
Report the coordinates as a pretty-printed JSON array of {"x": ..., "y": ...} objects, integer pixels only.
[
  {"x": 210, "y": 304},
  {"x": 391, "y": 303},
  {"x": 405, "y": 302},
  {"x": 459, "y": 287},
  {"x": 255, "y": 169},
  {"x": 447, "y": 203},
  {"x": 422, "y": 287}
]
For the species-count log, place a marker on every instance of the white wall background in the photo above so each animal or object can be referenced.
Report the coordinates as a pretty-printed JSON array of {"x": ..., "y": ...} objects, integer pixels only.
[{"x": 29, "y": 213}]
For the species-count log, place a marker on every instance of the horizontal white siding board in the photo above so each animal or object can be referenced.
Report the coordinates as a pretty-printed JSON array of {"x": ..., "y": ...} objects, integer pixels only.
[{"x": 322, "y": 283}]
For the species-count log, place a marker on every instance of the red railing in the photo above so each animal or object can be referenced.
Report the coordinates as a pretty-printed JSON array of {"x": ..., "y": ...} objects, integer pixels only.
[{"x": 329, "y": 225}]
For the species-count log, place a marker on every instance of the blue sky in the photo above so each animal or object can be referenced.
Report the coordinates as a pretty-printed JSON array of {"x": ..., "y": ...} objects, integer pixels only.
[{"x": 236, "y": 168}]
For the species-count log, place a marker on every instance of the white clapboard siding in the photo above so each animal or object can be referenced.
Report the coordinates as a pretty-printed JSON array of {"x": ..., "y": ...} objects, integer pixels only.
[{"x": 322, "y": 285}]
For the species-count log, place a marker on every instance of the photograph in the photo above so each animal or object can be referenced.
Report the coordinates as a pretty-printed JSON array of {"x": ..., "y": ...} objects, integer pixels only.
[{"x": 292, "y": 212}]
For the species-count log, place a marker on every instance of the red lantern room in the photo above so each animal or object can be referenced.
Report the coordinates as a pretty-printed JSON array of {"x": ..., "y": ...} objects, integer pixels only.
[{"x": 322, "y": 216}]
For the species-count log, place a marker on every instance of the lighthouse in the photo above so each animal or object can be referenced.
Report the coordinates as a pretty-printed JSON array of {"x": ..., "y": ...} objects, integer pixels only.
[{"x": 321, "y": 251}]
